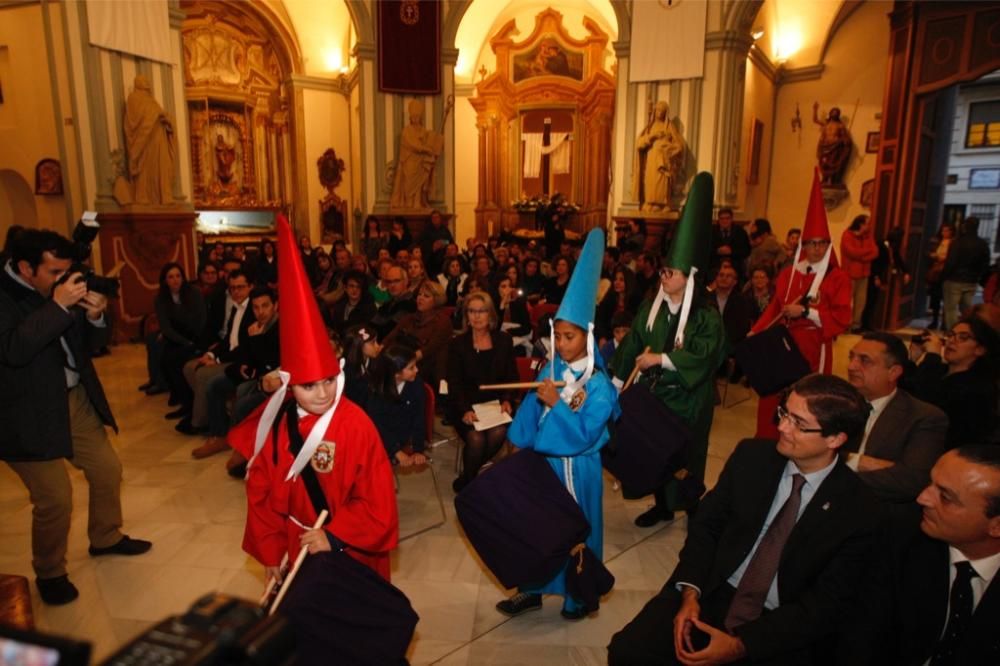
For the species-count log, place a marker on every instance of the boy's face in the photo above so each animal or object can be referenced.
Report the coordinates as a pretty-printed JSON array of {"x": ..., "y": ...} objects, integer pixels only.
[
  {"x": 620, "y": 332},
  {"x": 571, "y": 341},
  {"x": 316, "y": 397}
]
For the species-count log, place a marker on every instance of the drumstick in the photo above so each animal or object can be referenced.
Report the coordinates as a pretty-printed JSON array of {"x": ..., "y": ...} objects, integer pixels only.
[
  {"x": 517, "y": 385},
  {"x": 298, "y": 563},
  {"x": 635, "y": 371},
  {"x": 272, "y": 582}
]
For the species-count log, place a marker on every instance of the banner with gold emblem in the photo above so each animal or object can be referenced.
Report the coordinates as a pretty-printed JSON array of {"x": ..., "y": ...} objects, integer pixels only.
[{"x": 409, "y": 46}]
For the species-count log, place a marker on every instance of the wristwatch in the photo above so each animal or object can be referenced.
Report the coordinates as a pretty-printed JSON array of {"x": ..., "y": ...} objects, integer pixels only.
[{"x": 805, "y": 309}]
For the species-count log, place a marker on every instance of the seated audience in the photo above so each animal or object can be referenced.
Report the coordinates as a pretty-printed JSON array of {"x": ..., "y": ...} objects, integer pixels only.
[
  {"x": 932, "y": 595},
  {"x": 180, "y": 311},
  {"x": 513, "y": 315},
  {"x": 452, "y": 279},
  {"x": 400, "y": 302},
  {"x": 208, "y": 279},
  {"x": 532, "y": 280},
  {"x": 265, "y": 266},
  {"x": 957, "y": 373},
  {"x": 256, "y": 356},
  {"x": 765, "y": 250},
  {"x": 759, "y": 289},
  {"x": 904, "y": 436},
  {"x": 427, "y": 331},
  {"x": 621, "y": 324},
  {"x": 621, "y": 297},
  {"x": 360, "y": 347},
  {"x": 480, "y": 355},
  {"x": 735, "y": 309},
  {"x": 774, "y": 554},
  {"x": 555, "y": 286},
  {"x": 395, "y": 405},
  {"x": 355, "y": 306}
]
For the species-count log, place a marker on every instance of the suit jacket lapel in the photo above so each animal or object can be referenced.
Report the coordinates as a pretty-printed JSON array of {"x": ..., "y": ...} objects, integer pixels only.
[
  {"x": 982, "y": 637},
  {"x": 887, "y": 428},
  {"x": 762, "y": 494}
]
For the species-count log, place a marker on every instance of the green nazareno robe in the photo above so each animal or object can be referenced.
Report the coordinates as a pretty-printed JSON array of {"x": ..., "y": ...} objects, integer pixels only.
[{"x": 689, "y": 390}]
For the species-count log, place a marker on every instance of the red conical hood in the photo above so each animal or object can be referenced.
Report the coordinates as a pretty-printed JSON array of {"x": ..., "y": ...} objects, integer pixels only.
[
  {"x": 306, "y": 353},
  {"x": 816, "y": 225}
]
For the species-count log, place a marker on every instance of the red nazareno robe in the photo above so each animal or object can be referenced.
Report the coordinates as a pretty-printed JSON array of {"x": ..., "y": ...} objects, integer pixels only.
[
  {"x": 358, "y": 488},
  {"x": 833, "y": 305}
]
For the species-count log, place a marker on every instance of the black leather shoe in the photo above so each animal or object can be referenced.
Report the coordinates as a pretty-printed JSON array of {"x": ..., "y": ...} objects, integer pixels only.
[
  {"x": 653, "y": 516},
  {"x": 520, "y": 603},
  {"x": 155, "y": 390},
  {"x": 127, "y": 546},
  {"x": 56, "y": 591},
  {"x": 177, "y": 413},
  {"x": 145, "y": 387},
  {"x": 173, "y": 402},
  {"x": 184, "y": 426}
]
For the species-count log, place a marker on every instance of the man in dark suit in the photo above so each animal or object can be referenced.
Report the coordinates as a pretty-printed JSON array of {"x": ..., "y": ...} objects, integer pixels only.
[
  {"x": 904, "y": 436},
  {"x": 199, "y": 372},
  {"x": 933, "y": 596},
  {"x": 774, "y": 553},
  {"x": 52, "y": 405},
  {"x": 735, "y": 308},
  {"x": 729, "y": 241}
]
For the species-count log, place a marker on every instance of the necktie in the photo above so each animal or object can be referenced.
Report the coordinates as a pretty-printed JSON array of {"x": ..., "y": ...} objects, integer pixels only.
[
  {"x": 748, "y": 602},
  {"x": 960, "y": 614},
  {"x": 229, "y": 322}
]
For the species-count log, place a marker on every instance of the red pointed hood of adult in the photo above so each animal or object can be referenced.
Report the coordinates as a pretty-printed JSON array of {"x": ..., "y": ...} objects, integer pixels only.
[{"x": 816, "y": 225}]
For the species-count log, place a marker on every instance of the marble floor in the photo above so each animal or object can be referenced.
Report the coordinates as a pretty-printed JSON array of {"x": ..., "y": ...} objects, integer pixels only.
[{"x": 194, "y": 515}]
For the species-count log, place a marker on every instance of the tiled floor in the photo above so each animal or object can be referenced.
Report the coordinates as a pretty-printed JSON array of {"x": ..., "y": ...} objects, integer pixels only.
[{"x": 194, "y": 515}]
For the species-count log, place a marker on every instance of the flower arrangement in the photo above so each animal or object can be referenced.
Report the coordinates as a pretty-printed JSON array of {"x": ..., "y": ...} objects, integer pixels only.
[{"x": 540, "y": 202}]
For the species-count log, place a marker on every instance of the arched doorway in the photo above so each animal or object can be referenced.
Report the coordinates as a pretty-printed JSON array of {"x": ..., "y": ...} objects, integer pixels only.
[
  {"x": 932, "y": 46},
  {"x": 17, "y": 204}
]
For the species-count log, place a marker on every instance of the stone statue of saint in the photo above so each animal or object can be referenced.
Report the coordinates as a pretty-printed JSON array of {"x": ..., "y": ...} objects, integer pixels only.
[
  {"x": 659, "y": 150},
  {"x": 225, "y": 155},
  {"x": 151, "y": 145},
  {"x": 834, "y": 147},
  {"x": 419, "y": 148}
]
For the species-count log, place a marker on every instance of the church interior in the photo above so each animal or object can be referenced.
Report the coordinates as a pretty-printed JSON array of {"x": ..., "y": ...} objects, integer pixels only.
[{"x": 188, "y": 123}]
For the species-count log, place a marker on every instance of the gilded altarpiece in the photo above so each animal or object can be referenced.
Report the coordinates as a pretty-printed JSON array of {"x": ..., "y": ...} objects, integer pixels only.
[
  {"x": 238, "y": 110},
  {"x": 548, "y": 75}
]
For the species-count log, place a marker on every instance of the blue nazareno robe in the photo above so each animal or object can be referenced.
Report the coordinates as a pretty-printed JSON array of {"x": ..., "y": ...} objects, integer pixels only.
[{"x": 571, "y": 441}]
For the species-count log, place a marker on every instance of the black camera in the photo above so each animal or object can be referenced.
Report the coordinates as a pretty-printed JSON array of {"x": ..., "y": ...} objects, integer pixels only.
[
  {"x": 84, "y": 233},
  {"x": 921, "y": 339}
]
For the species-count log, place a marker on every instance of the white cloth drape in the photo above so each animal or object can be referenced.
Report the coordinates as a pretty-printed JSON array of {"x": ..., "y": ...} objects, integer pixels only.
[
  {"x": 559, "y": 148},
  {"x": 136, "y": 28},
  {"x": 668, "y": 43}
]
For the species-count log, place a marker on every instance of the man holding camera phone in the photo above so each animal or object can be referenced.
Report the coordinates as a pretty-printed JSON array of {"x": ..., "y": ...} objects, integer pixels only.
[{"x": 52, "y": 405}]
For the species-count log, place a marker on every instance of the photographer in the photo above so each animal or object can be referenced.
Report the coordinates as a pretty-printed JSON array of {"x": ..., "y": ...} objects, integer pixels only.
[{"x": 52, "y": 405}]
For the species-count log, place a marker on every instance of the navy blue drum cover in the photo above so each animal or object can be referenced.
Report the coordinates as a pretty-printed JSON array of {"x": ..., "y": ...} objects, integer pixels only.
[
  {"x": 771, "y": 360},
  {"x": 343, "y": 612},
  {"x": 521, "y": 520},
  {"x": 648, "y": 443}
]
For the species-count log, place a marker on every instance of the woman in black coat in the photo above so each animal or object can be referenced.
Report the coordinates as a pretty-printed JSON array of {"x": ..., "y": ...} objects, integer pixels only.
[
  {"x": 181, "y": 311},
  {"x": 480, "y": 355}
]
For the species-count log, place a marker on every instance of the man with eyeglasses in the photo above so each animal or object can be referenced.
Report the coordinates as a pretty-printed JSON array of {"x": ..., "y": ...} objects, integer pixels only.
[
  {"x": 904, "y": 436},
  {"x": 401, "y": 301},
  {"x": 773, "y": 556},
  {"x": 812, "y": 298}
]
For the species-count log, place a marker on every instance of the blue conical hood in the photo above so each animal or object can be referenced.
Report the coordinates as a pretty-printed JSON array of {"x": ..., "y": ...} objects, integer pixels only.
[{"x": 580, "y": 301}]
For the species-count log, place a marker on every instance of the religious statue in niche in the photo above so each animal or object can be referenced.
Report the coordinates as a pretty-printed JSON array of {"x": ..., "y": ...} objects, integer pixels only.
[
  {"x": 152, "y": 146},
  {"x": 834, "y": 147},
  {"x": 548, "y": 58},
  {"x": 419, "y": 149},
  {"x": 225, "y": 155},
  {"x": 48, "y": 177},
  {"x": 659, "y": 153},
  {"x": 332, "y": 209}
]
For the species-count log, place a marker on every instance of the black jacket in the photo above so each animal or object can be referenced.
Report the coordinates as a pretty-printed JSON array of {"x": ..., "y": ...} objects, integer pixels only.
[
  {"x": 466, "y": 373},
  {"x": 968, "y": 259},
  {"x": 821, "y": 564},
  {"x": 259, "y": 353},
  {"x": 34, "y": 411}
]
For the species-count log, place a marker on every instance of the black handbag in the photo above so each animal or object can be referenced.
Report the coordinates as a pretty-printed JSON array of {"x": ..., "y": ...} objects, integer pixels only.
[
  {"x": 648, "y": 442},
  {"x": 771, "y": 360},
  {"x": 521, "y": 520}
]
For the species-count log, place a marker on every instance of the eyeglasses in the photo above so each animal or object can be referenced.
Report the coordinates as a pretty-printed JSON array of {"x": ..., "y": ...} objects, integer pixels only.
[
  {"x": 815, "y": 243},
  {"x": 667, "y": 273},
  {"x": 961, "y": 336},
  {"x": 795, "y": 421}
]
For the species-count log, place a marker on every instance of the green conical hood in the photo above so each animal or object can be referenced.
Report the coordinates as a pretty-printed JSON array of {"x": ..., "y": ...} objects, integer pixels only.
[{"x": 692, "y": 242}]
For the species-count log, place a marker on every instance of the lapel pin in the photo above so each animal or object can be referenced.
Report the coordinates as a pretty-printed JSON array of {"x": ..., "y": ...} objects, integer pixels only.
[{"x": 826, "y": 506}]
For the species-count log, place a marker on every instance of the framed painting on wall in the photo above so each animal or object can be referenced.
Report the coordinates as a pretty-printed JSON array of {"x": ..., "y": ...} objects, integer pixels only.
[{"x": 871, "y": 142}]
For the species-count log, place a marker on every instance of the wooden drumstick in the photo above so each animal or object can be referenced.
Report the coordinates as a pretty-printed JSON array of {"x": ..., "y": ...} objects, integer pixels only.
[
  {"x": 272, "y": 582},
  {"x": 298, "y": 563},
  {"x": 635, "y": 371},
  {"x": 517, "y": 385}
]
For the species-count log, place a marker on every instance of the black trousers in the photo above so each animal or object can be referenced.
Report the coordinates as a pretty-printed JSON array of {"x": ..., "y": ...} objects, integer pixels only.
[{"x": 649, "y": 637}]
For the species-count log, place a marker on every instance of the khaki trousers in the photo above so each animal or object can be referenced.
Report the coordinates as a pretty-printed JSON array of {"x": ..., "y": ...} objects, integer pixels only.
[
  {"x": 51, "y": 492},
  {"x": 198, "y": 378}
]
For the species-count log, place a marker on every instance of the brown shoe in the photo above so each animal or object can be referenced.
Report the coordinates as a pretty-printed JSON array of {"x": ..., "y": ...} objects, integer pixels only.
[
  {"x": 211, "y": 446},
  {"x": 235, "y": 460}
]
